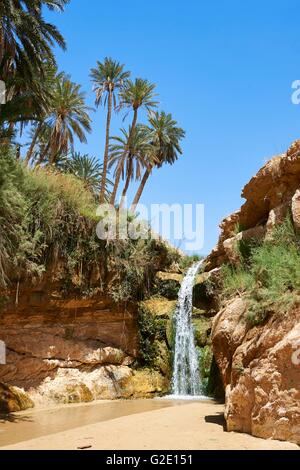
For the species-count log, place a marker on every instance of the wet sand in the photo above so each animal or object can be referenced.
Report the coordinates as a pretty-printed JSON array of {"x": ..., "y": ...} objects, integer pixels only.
[
  {"x": 127, "y": 425},
  {"x": 40, "y": 422}
]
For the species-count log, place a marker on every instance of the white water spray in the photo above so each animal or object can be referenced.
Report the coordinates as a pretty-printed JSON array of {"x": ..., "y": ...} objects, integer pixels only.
[{"x": 186, "y": 377}]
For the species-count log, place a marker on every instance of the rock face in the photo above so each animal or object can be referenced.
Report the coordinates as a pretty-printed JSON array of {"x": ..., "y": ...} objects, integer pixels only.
[
  {"x": 260, "y": 368},
  {"x": 268, "y": 195},
  {"x": 104, "y": 383},
  {"x": 44, "y": 334},
  {"x": 68, "y": 350}
]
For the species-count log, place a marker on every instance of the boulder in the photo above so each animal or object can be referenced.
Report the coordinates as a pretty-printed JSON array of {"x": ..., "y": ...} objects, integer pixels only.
[
  {"x": 13, "y": 399},
  {"x": 145, "y": 383}
]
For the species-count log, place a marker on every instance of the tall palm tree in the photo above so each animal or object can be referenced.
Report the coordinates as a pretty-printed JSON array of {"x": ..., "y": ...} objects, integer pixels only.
[
  {"x": 129, "y": 154},
  {"x": 108, "y": 77},
  {"x": 135, "y": 95},
  {"x": 165, "y": 138},
  {"x": 88, "y": 170},
  {"x": 26, "y": 39},
  {"x": 67, "y": 118}
]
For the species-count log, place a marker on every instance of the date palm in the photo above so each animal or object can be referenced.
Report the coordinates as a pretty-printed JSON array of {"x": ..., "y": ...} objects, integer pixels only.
[
  {"x": 135, "y": 95},
  {"x": 27, "y": 100},
  {"x": 165, "y": 138},
  {"x": 130, "y": 154},
  {"x": 88, "y": 170},
  {"x": 26, "y": 39},
  {"x": 108, "y": 78},
  {"x": 67, "y": 118}
]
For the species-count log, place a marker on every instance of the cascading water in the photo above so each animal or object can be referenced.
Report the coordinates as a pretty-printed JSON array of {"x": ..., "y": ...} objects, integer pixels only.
[{"x": 186, "y": 376}]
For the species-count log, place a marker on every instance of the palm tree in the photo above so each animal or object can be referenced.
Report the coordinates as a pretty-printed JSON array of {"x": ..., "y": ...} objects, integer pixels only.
[
  {"x": 165, "y": 138},
  {"x": 135, "y": 95},
  {"x": 27, "y": 100},
  {"x": 108, "y": 77},
  {"x": 67, "y": 118},
  {"x": 45, "y": 99},
  {"x": 26, "y": 45},
  {"x": 130, "y": 155},
  {"x": 88, "y": 170},
  {"x": 26, "y": 39}
]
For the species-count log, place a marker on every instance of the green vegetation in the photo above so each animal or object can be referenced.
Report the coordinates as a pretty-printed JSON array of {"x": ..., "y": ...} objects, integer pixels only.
[
  {"x": 205, "y": 363},
  {"x": 152, "y": 331},
  {"x": 269, "y": 275},
  {"x": 48, "y": 219},
  {"x": 202, "y": 329},
  {"x": 51, "y": 108},
  {"x": 168, "y": 288},
  {"x": 48, "y": 191},
  {"x": 187, "y": 261}
]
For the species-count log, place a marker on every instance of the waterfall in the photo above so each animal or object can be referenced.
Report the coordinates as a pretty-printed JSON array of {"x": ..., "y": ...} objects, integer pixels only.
[{"x": 186, "y": 376}]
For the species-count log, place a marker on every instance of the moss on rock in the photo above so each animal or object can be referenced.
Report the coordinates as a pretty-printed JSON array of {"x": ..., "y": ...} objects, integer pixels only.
[
  {"x": 202, "y": 328},
  {"x": 168, "y": 285},
  {"x": 13, "y": 399},
  {"x": 145, "y": 383},
  {"x": 72, "y": 393},
  {"x": 159, "y": 306},
  {"x": 163, "y": 359}
]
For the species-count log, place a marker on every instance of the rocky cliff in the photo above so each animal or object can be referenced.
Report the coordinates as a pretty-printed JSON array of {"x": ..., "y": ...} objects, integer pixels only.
[
  {"x": 66, "y": 348},
  {"x": 260, "y": 362},
  {"x": 269, "y": 195}
]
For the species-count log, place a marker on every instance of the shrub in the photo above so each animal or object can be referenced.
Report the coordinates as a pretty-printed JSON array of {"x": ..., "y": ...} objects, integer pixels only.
[
  {"x": 187, "y": 261},
  {"x": 270, "y": 279},
  {"x": 151, "y": 330},
  {"x": 48, "y": 216}
]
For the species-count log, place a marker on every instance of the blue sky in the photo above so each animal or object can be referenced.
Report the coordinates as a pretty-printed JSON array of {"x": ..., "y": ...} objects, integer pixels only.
[{"x": 224, "y": 69}]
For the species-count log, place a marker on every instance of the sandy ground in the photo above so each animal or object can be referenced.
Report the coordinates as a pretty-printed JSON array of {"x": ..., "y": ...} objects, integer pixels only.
[{"x": 190, "y": 426}]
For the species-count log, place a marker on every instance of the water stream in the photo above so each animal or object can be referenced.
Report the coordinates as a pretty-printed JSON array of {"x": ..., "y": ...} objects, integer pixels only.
[{"x": 186, "y": 377}]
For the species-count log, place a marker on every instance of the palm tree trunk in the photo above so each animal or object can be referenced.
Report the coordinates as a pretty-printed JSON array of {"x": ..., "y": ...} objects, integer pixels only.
[
  {"x": 105, "y": 161},
  {"x": 43, "y": 154},
  {"x": 33, "y": 142},
  {"x": 134, "y": 121},
  {"x": 140, "y": 190},
  {"x": 116, "y": 185},
  {"x": 119, "y": 171},
  {"x": 124, "y": 193}
]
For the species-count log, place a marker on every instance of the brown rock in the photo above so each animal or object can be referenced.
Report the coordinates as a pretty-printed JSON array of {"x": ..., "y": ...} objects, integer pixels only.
[
  {"x": 260, "y": 370},
  {"x": 276, "y": 217},
  {"x": 272, "y": 187},
  {"x": 145, "y": 383},
  {"x": 13, "y": 399},
  {"x": 228, "y": 331},
  {"x": 46, "y": 333}
]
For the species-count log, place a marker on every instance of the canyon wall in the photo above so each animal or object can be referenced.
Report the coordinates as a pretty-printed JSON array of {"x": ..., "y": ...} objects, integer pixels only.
[
  {"x": 260, "y": 365},
  {"x": 65, "y": 349}
]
